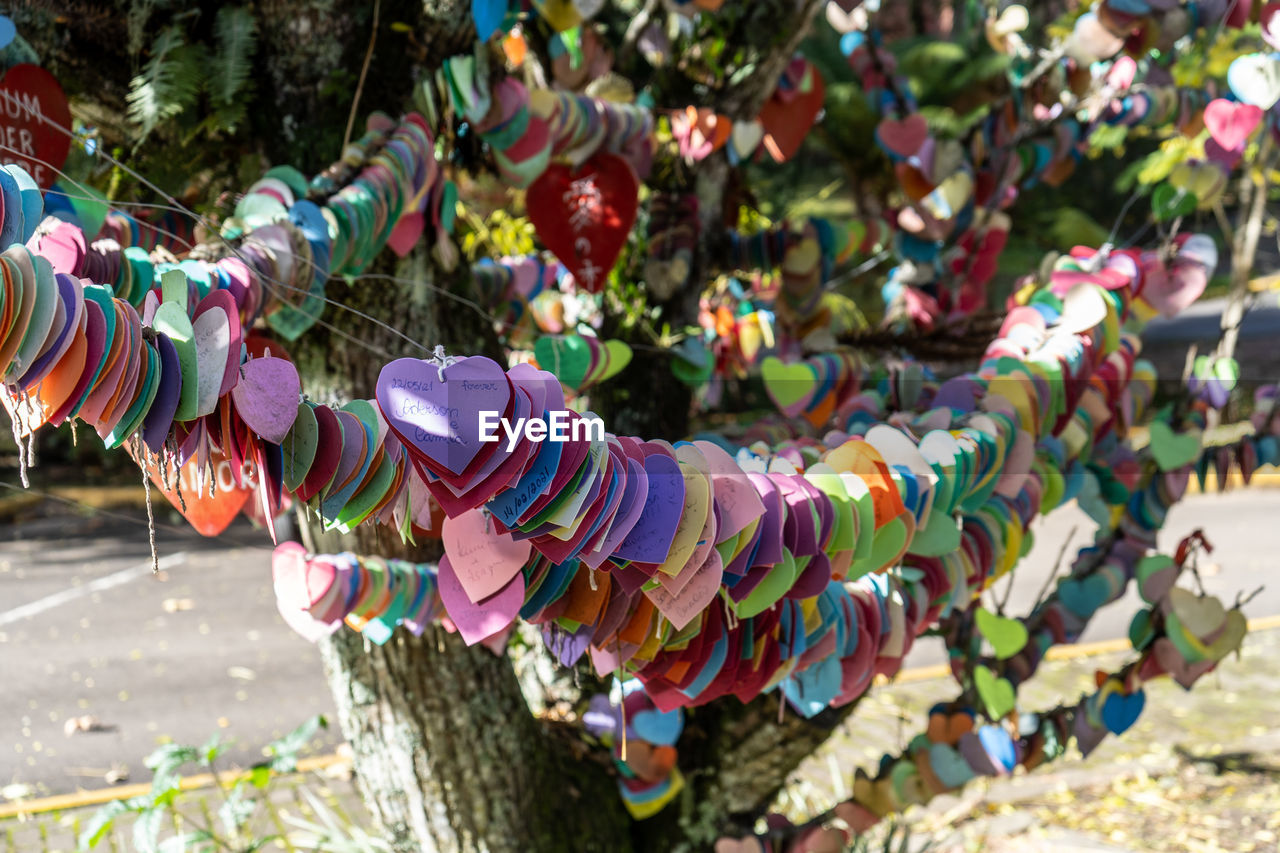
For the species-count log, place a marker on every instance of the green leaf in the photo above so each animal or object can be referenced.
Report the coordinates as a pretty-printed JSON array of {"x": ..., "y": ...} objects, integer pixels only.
[
  {"x": 166, "y": 761},
  {"x": 188, "y": 842},
  {"x": 236, "y": 810},
  {"x": 169, "y": 82},
  {"x": 1169, "y": 202},
  {"x": 236, "y": 35},
  {"x": 100, "y": 823},
  {"x": 212, "y": 748},
  {"x": 284, "y": 751},
  {"x": 260, "y": 776},
  {"x": 146, "y": 829}
]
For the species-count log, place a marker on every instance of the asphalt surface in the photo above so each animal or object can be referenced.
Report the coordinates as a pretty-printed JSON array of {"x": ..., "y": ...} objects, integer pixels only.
[
  {"x": 1165, "y": 342},
  {"x": 86, "y": 630}
]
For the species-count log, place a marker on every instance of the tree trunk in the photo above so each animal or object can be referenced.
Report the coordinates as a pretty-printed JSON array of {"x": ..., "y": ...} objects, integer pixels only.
[{"x": 1244, "y": 246}]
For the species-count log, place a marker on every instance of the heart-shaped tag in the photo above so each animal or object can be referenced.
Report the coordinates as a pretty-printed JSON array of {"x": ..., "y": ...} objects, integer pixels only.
[
  {"x": 1255, "y": 79},
  {"x": 484, "y": 560},
  {"x": 1230, "y": 124},
  {"x": 902, "y": 137},
  {"x": 584, "y": 215},
  {"x": 787, "y": 121},
  {"x": 209, "y": 515},
  {"x": 1170, "y": 450},
  {"x": 436, "y": 411},
  {"x": 745, "y": 138},
  {"x": 37, "y": 122},
  {"x": 1006, "y": 636},
  {"x": 996, "y": 693},
  {"x": 266, "y": 397}
]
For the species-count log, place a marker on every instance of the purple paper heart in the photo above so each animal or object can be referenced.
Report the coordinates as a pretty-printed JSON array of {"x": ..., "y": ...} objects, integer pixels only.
[{"x": 436, "y": 411}]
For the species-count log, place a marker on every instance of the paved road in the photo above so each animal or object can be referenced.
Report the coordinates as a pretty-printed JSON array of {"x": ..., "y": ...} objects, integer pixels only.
[
  {"x": 198, "y": 649},
  {"x": 1165, "y": 342},
  {"x": 201, "y": 647}
]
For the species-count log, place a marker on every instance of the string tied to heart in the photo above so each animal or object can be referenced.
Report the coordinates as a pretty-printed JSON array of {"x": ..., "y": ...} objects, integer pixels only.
[{"x": 441, "y": 360}]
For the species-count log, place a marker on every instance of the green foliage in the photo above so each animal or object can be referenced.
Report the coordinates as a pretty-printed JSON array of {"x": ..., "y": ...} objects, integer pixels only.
[
  {"x": 179, "y": 71},
  {"x": 326, "y": 833},
  {"x": 236, "y": 37},
  {"x": 169, "y": 82},
  {"x": 158, "y": 807}
]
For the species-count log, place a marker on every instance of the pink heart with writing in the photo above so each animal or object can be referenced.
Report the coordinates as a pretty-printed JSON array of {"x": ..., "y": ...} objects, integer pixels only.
[
  {"x": 477, "y": 620},
  {"x": 484, "y": 559}
]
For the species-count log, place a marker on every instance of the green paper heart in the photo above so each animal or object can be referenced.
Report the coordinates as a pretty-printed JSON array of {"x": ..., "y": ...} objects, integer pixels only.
[
  {"x": 995, "y": 692},
  {"x": 787, "y": 384},
  {"x": 1006, "y": 636},
  {"x": 1169, "y": 202},
  {"x": 619, "y": 357},
  {"x": 1170, "y": 450},
  {"x": 568, "y": 357},
  {"x": 1141, "y": 631}
]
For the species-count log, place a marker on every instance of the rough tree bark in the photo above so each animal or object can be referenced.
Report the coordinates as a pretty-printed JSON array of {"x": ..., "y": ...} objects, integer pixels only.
[{"x": 448, "y": 756}]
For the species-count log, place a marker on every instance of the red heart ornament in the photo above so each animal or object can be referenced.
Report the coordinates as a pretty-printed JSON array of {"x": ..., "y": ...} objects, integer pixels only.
[
  {"x": 584, "y": 215},
  {"x": 903, "y": 138},
  {"x": 35, "y": 122},
  {"x": 786, "y": 123},
  {"x": 210, "y": 516}
]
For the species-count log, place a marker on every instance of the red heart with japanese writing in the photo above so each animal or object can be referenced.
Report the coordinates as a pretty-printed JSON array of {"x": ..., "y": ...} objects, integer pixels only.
[
  {"x": 35, "y": 122},
  {"x": 786, "y": 123},
  {"x": 584, "y": 215}
]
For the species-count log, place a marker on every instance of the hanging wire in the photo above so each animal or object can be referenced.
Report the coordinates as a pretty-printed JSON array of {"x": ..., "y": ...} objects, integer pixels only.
[{"x": 269, "y": 281}]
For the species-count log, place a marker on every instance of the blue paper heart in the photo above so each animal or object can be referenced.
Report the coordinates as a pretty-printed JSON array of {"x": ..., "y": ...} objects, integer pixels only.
[
  {"x": 1120, "y": 712},
  {"x": 1083, "y": 596},
  {"x": 999, "y": 746},
  {"x": 949, "y": 766},
  {"x": 488, "y": 15},
  {"x": 657, "y": 727},
  {"x": 810, "y": 691}
]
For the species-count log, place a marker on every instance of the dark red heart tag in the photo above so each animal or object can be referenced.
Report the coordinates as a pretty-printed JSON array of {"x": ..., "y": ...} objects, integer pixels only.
[
  {"x": 584, "y": 215},
  {"x": 35, "y": 122}
]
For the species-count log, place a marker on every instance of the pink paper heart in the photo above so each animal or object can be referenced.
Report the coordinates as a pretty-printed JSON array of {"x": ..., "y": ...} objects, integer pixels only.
[
  {"x": 477, "y": 620},
  {"x": 484, "y": 559},
  {"x": 1231, "y": 123},
  {"x": 266, "y": 397},
  {"x": 904, "y": 137}
]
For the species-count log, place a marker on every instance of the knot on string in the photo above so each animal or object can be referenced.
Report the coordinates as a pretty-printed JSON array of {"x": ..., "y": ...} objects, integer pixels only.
[{"x": 441, "y": 360}]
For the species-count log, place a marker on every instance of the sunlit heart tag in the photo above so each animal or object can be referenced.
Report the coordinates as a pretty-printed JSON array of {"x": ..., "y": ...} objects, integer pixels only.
[
  {"x": 1255, "y": 79},
  {"x": 266, "y": 397},
  {"x": 39, "y": 115},
  {"x": 484, "y": 559},
  {"x": 209, "y": 514},
  {"x": 1230, "y": 124},
  {"x": 584, "y": 215},
  {"x": 786, "y": 124}
]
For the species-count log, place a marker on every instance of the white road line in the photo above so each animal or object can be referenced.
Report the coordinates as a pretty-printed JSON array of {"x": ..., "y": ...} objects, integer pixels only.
[{"x": 115, "y": 579}]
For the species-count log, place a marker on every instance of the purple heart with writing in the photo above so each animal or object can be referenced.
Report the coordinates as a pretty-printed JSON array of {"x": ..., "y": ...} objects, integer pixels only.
[
  {"x": 649, "y": 541},
  {"x": 436, "y": 412},
  {"x": 568, "y": 648}
]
